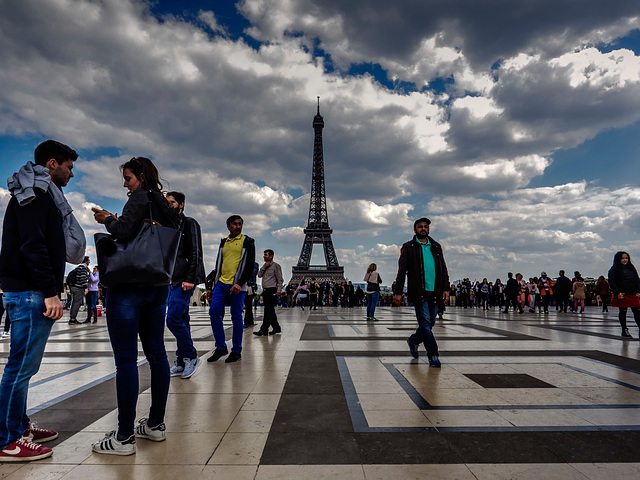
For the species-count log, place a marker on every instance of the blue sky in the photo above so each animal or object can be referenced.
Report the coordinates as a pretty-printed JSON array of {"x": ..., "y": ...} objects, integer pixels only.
[{"x": 513, "y": 130}]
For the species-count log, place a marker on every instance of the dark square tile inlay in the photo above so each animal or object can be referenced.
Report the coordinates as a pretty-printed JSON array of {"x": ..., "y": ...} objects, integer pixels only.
[{"x": 507, "y": 380}]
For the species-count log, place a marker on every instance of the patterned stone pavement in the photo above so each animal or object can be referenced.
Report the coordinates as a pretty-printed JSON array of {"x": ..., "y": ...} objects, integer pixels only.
[{"x": 334, "y": 396}]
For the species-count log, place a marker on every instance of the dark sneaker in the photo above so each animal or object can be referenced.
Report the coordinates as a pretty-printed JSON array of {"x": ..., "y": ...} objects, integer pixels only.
[
  {"x": 39, "y": 435},
  {"x": 275, "y": 330},
  {"x": 156, "y": 434},
  {"x": 233, "y": 357},
  {"x": 434, "y": 361},
  {"x": 22, "y": 450},
  {"x": 413, "y": 349},
  {"x": 625, "y": 333},
  {"x": 110, "y": 445},
  {"x": 217, "y": 355},
  {"x": 74, "y": 322},
  {"x": 260, "y": 333}
]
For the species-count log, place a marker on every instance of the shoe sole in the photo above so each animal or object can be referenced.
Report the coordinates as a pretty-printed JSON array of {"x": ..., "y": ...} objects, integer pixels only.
[
  {"x": 194, "y": 370},
  {"x": 112, "y": 452},
  {"x": 7, "y": 459},
  {"x": 177, "y": 374},
  {"x": 45, "y": 439},
  {"x": 153, "y": 439}
]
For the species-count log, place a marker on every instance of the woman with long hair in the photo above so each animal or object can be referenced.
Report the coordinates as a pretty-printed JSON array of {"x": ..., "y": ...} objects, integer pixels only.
[
  {"x": 603, "y": 292},
  {"x": 92, "y": 295},
  {"x": 522, "y": 291},
  {"x": 625, "y": 287},
  {"x": 372, "y": 277},
  {"x": 137, "y": 311},
  {"x": 483, "y": 294},
  {"x": 302, "y": 292}
]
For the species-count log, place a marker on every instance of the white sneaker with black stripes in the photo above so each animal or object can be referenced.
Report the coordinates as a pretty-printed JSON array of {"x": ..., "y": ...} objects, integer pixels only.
[
  {"x": 157, "y": 434},
  {"x": 112, "y": 446}
]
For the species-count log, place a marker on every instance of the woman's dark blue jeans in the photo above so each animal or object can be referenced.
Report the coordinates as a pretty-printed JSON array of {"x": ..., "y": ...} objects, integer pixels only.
[
  {"x": 92, "y": 305},
  {"x": 132, "y": 312}
]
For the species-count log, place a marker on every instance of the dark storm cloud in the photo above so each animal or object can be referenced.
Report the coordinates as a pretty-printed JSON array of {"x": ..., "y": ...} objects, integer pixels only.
[{"x": 485, "y": 31}]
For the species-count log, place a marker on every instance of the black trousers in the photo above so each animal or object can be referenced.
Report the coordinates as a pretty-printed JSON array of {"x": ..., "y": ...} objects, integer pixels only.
[
  {"x": 270, "y": 318},
  {"x": 248, "y": 310},
  {"x": 512, "y": 300},
  {"x": 563, "y": 302}
]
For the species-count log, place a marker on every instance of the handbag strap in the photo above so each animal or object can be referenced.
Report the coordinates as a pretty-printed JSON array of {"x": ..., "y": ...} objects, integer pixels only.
[{"x": 150, "y": 212}]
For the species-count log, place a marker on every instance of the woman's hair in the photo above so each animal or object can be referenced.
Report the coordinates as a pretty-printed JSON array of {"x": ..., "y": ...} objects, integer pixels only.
[
  {"x": 600, "y": 280},
  {"x": 372, "y": 267},
  {"x": 145, "y": 171},
  {"x": 617, "y": 258},
  {"x": 617, "y": 265}
]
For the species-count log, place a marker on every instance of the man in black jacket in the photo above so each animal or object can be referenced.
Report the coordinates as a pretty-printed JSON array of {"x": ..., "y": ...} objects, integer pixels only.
[
  {"x": 511, "y": 290},
  {"x": 422, "y": 261},
  {"x": 563, "y": 290},
  {"x": 32, "y": 260},
  {"x": 234, "y": 266},
  {"x": 188, "y": 272}
]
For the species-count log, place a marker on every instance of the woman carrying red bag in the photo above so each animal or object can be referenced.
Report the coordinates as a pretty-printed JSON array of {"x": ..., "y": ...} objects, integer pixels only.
[{"x": 625, "y": 287}]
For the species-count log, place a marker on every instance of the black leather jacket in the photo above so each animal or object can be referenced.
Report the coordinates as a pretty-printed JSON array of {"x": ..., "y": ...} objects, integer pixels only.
[
  {"x": 411, "y": 265},
  {"x": 136, "y": 210},
  {"x": 189, "y": 263}
]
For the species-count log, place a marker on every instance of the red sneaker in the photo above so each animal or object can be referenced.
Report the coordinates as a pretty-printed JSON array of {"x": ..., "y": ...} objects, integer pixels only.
[
  {"x": 39, "y": 435},
  {"x": 22, "y": 450}
]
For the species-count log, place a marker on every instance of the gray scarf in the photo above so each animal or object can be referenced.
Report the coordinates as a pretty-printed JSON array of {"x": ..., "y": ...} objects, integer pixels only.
[{"x": 22, "y": 184}]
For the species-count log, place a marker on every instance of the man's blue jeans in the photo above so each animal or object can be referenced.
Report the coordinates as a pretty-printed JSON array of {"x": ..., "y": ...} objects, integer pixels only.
[
  {"x": 372, "y": 301},
  {"x": 29, "y": 333},
  {"x": 426, "y": 313},
  {"x": 133, "y": 312},
  {"x": 178, "y": 322},
  {"x": 219, "y": 298}
]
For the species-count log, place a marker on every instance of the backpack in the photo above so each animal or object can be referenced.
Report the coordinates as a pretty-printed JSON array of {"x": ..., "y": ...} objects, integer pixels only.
[{"x": 72, "y": 278}]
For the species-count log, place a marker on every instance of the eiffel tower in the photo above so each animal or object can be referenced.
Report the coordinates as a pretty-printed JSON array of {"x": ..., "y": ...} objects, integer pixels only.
[{"x": 318, "y": 231}]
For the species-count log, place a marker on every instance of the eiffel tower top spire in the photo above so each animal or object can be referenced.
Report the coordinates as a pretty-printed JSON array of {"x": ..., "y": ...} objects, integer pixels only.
[
  {"x": 318, "y": 218},
  {"x": 318, "y": 231}
]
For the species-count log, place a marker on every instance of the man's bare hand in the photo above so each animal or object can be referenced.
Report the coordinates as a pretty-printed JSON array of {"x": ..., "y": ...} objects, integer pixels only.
[
  {"x": 187, "y": 286},
  {"x": 445, "y": 296},
  {"x": 236, "y": 288},
  {"x": 54, "y": 308}
]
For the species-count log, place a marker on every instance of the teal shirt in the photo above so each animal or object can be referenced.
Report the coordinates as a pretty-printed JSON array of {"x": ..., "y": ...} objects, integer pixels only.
[{"x": 429, "y": 266}]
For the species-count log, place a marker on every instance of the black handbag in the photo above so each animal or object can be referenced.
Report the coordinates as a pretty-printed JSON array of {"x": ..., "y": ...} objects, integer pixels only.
[{"x": 147, "y": 260}]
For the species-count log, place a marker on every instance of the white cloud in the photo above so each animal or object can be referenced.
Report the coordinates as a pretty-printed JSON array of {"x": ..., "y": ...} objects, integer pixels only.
[
  {"x": 230, "y": 125},
  {"x": 293, "y": 235}
]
